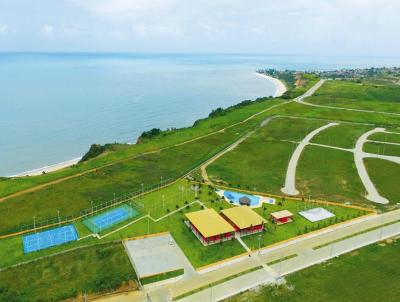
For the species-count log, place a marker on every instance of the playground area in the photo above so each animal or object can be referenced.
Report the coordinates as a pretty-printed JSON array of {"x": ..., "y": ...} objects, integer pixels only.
[{"x": 54, "y": 237}]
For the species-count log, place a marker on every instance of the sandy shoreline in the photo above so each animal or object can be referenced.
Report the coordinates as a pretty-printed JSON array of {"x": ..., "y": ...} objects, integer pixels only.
[
  {"x": 50, "y": 168},
  {"x": 280, "y": 87}
]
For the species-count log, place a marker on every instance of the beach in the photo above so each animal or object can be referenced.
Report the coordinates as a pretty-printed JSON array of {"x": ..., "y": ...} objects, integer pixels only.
[
  {"x": 50, "y": 168},
  {"x": 280, "y": 87}
]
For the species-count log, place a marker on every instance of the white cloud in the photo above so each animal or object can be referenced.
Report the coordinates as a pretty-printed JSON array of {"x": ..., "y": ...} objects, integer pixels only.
[
  {"x": 3, "y": 29},
  {"x": 47, "y": 31}
]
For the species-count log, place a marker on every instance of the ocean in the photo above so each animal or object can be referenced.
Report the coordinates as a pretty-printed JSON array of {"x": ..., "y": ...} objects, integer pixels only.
[{"x": 53, "y": 106}]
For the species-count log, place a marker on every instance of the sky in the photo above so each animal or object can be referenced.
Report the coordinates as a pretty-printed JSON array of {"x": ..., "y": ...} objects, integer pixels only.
[{"x": 334, "y": 27}]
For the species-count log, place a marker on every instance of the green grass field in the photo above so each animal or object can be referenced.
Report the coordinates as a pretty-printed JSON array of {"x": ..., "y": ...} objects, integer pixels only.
[
  {"x": 89, "y": 270},
  {"x": 329, "y": 174},
  {"x": 386, "y": 137},
  {"x": 383, "y": 149},
  {"x": 369, "y": 274},
  {"x": 344, "y": 135},
  {"x": 384, "y": 98},
  {"x": 384, "y": 175},
  {"x": 260, "y": 162}
]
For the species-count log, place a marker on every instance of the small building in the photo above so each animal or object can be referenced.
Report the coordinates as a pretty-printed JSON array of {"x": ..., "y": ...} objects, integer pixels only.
[
  {"x": 245, "y": 220},
  {"x": 282, "y": 217},
  {"x": 209, "y": 227},
  {"x": 244, "y": 201}
]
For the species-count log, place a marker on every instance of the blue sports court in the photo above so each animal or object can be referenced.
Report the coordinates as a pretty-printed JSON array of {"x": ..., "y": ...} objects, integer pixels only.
[
  {"x": 46, "y": 239},
  {"x": 110, "y": 218}
]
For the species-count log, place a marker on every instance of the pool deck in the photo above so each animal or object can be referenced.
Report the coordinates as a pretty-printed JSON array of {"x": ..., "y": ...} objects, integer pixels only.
[{"x": 261, "y": 199}]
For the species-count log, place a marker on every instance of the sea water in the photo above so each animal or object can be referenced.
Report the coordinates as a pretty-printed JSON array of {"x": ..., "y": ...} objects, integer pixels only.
[{"x": 53, "y": 106}]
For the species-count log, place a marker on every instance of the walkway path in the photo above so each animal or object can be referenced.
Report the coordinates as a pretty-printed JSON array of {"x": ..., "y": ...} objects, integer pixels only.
[
  {"x": 359, "y": 155},
  {"x": 290, "y": 181},
  {"x": 300, "y": 100}
]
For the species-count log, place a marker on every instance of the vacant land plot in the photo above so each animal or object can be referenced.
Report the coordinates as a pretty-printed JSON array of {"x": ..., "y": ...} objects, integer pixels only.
[
  {"x": 383, "y": 149},
  {"x": 288, "y": 129},
  {"x": 385, "y": 98},
  {"x": 260, "y": 162},
  {"x": 256, "y": 165},
  {"x": 386, "y": 137},
  {"x": 96, "y": 269},
  {"x": 369, "y": 274},
  {"x": 385, "y": 175},
  {"x": 344, "y": 135},
  {"x": 329, "y": 174}
]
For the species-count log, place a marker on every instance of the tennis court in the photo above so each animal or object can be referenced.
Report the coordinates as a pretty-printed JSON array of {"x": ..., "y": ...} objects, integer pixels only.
[
  {"x": 46, "y": 239},
  {"x": 110, "y": 218}
]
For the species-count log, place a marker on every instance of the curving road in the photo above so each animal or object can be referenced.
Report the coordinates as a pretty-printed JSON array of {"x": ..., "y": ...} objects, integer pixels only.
[{"x": 290, "y": 181}]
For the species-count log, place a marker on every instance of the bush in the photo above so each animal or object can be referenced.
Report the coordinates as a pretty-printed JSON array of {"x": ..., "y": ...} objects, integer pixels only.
[
  {"x": 151, "y": 133},
  {"x": 95, "y": 150}
]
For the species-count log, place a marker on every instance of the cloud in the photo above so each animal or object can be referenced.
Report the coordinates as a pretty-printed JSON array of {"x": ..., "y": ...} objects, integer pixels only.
[
  {"x": 47, "y": 31},
  {"x": 3, "y": 29}
]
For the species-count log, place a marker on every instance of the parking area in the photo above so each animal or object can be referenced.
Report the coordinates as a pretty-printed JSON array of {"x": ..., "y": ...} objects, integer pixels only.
[{"x": 155, "y": 255}]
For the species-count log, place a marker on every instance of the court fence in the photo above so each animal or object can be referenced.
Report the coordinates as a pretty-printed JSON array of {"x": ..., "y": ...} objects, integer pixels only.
[{"x": 134, "y": 199}]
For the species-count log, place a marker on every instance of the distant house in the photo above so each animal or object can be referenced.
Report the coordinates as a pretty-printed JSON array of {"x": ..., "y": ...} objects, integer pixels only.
[
  {"x": 245, "y": 220},
  {"x": 244, "y": 201},
  {"x": 282, "y": 217},
  {"x": 209, "y": 227}
]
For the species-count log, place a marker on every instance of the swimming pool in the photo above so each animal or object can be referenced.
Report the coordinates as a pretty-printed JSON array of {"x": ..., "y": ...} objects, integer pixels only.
[
  {"x": 235, "y": 196},
  {"x": 255, "y": 200}
]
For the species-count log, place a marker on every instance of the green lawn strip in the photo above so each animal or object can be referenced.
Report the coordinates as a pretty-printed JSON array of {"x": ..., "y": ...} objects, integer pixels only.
[
  {"x": 329, "y": 174},
  {"x": 277, "y": 233},
  {"x": 344, "y": 135},
  {"x": 212, "y": 284},
  {"x": 368, "y": 274},
  {"x": 385, "y": 175},
  {"x": 359, "y": 96},
  {"x": 121, "y": 152},
  {"x": 96, "y": 269},
  {"x": 355, "y": 234},
  {"x": 256, "y": 165},
  {"x": 282, "y": 259},
  {"x": 161, "y": 277},
  {"x": 385, "y": 137},
  {"x": 382, "y": 149}
]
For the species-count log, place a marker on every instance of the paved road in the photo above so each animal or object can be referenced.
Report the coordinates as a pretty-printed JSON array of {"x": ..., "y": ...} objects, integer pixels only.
[
  {"x": 306, "y": 257},
  {"x": 359, "y": 155},
  {"x": 290, "y": 181}
]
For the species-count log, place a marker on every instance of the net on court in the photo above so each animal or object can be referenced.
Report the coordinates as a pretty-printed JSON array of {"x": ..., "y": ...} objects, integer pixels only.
[
  {"x": 110, "y": 218},
  {"x": 46, "y": 239}
]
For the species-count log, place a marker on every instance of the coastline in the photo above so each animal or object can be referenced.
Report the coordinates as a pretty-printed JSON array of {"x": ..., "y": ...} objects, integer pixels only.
[
  {"x": 49, "y": 168},
  {"x": 280, "y": 86},
  {"x": 280, "y": 89}
]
